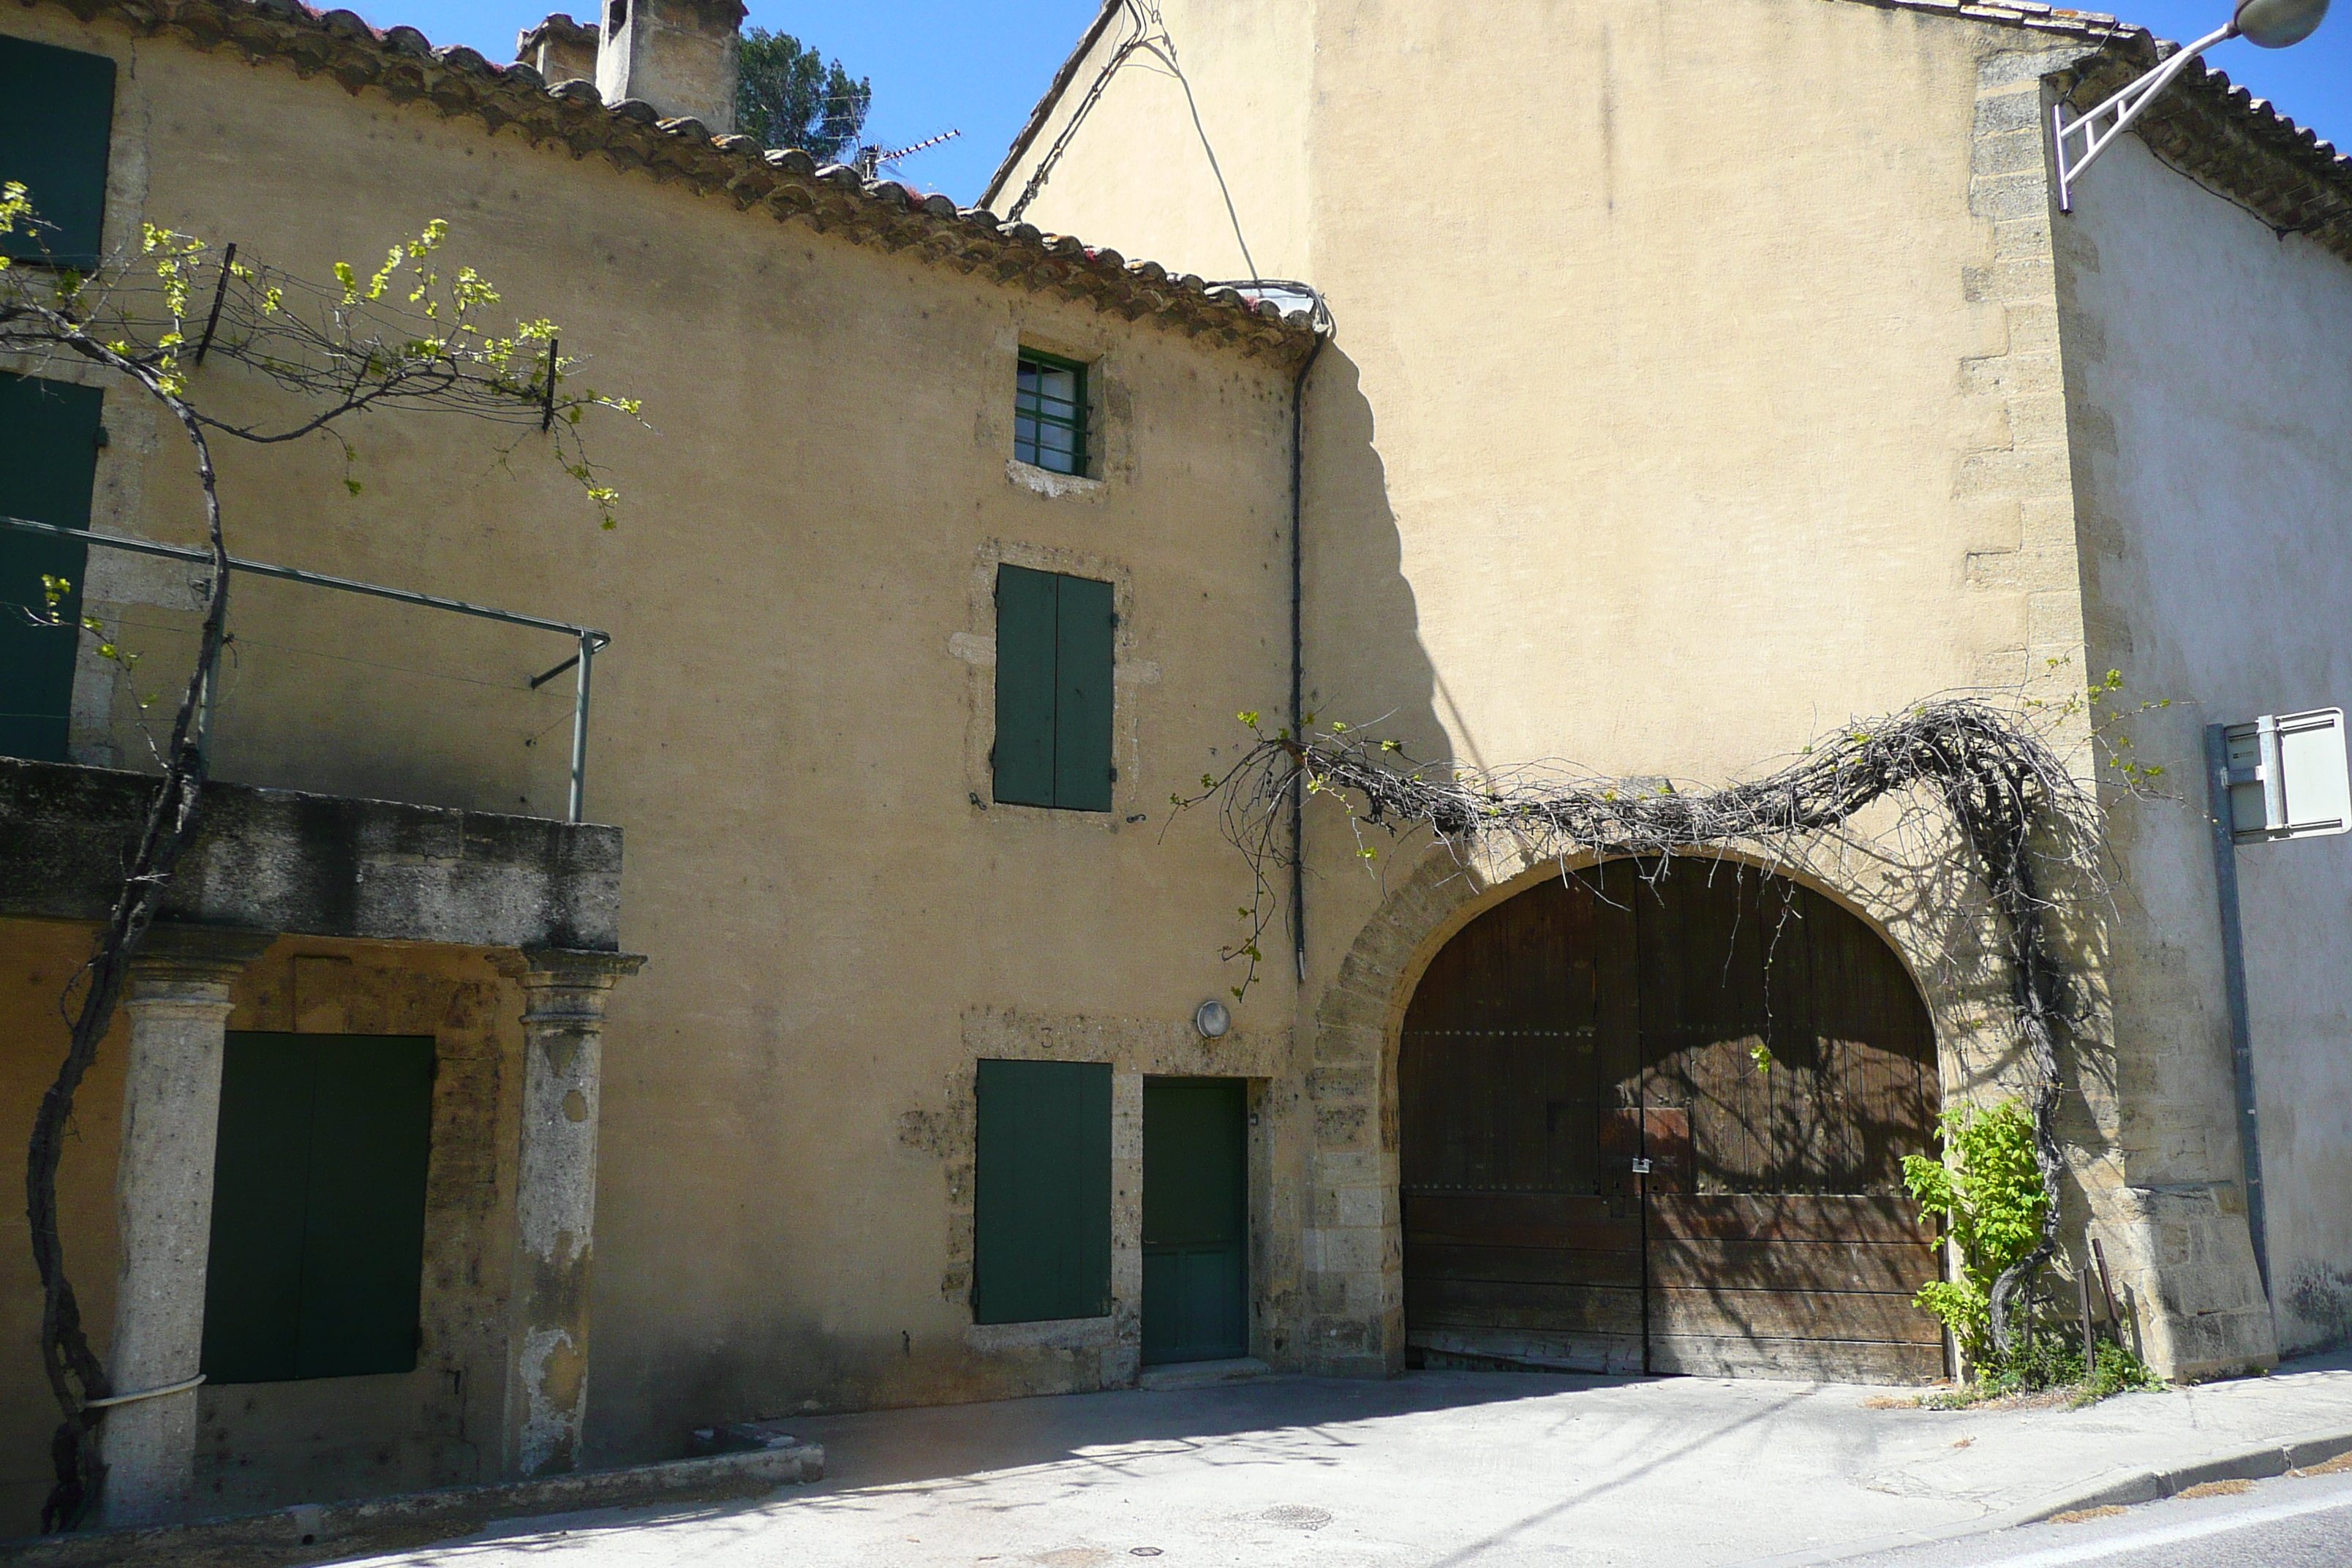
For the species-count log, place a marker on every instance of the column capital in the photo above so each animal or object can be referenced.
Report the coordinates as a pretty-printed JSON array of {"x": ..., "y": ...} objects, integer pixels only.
[
  {"x": 540, "y": 967},
  {"x": 178, "y": 962}
]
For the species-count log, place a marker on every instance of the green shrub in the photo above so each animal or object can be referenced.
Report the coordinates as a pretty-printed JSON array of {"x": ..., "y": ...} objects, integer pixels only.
[{"x": 1988, "y": 1192}]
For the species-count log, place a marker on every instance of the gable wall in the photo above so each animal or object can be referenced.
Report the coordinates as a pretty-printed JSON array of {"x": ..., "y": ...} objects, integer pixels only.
[{"x": 1697, "y": 385}]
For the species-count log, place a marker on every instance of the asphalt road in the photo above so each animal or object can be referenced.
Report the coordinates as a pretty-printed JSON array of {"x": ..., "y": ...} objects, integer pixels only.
[{"x": 2290, "y": 1523}]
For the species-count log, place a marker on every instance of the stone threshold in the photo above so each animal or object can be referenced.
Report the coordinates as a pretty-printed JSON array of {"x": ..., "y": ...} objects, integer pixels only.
[
  {"x": 311, "y": 1533},
  {"x": 1177, "y": 1376}
]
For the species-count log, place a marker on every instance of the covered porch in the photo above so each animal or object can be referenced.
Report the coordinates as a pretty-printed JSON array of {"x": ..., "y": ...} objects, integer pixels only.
[{"x": 329, "y": 1207}]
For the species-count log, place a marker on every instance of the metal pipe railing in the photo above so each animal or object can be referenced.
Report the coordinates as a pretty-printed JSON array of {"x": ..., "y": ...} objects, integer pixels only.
[{"x": 591, "y": 640}]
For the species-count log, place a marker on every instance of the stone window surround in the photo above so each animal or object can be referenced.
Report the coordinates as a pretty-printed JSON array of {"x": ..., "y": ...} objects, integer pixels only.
[
  {"x": 1111, "y": 450},
  {"x": 1135, "y": 1049},
  {"x": 975, "y": 646}
]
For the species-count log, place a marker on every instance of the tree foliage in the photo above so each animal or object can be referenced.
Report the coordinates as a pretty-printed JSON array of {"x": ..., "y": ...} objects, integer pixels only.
[{"x": 788, "y": 96}]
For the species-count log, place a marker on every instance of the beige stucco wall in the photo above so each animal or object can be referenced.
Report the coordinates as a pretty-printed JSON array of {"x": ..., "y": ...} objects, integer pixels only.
[
  {"x": 263, "y": 1444},
  {"x": 2214, "y": 394},
  {"x": 792, "y": 725},
  {"x": 1696, "y": 385}
]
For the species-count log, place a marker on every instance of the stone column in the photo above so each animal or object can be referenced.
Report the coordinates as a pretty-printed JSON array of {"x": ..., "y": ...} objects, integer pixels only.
[
  {"x": 178, "y": 1001},
  {"x": 564, "y": 995}
]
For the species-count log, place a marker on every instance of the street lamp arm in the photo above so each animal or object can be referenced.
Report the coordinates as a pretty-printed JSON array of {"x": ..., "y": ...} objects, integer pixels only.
[{"x": 2080, "y": 141}]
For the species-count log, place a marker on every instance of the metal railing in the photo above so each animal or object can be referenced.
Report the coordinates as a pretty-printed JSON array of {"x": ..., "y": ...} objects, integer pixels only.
[{"x": 591, "y": 641}]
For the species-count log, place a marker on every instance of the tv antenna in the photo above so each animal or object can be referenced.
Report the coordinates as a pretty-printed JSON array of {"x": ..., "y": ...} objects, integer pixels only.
[{"x": 871, "y": 160}]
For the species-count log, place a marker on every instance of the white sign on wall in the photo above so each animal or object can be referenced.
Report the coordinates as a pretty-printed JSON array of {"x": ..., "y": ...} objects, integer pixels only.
[{"x": 2289, "y": 777}]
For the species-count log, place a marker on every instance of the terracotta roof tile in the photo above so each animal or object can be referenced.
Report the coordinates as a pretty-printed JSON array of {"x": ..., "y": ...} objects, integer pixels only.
[{"x": 402, "y": 64}]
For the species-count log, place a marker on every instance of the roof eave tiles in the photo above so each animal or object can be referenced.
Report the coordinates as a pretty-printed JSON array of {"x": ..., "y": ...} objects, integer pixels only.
[{"x": 401, "y": 63}]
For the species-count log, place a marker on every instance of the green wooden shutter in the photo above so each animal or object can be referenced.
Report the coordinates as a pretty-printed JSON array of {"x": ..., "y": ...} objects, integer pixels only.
[
  {"x": 48, "y": 460},
  {"x": 253, "y": 1279},
  {"x": 318, "y": 1237},
  {"x": 1041, "y": 1219},
  {"x": 57, "y": 114},
  {"x": 1025, "y": 632},
  {"x": 1082, "y": 696},
  {"x": 364, "y": 1228}
]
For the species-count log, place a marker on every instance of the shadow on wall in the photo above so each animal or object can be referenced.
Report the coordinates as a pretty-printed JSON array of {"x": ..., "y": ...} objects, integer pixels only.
[
  {"x": 2321, "y": 1297},
  {"x": 1365, "y": 661}
]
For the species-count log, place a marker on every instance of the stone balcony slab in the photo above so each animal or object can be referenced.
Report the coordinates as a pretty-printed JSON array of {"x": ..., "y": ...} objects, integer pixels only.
[{"x": 313, "y": 865}]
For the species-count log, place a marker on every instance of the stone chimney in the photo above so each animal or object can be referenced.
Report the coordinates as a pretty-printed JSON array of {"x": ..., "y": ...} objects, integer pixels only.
[
  {"x": 559, "y": 50},
  {"x": 677, "y": 55}
]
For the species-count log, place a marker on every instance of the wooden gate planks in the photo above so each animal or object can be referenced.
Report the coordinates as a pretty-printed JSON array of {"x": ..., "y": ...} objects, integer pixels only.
[{"x": 1628, "y": 1014}]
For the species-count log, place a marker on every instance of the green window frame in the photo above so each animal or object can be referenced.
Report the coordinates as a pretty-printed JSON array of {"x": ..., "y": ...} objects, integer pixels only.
[
  {"x": 1041, "y": 1197},
  {"x": 1049, "y": 413},
  {"x": 317, "y": 1263},
  {"x": 57, "y": 122},
  {"x": 1055, "y": 662}
]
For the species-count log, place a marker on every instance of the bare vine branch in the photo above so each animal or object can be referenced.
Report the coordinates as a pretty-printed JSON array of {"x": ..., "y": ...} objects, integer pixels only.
[{"x": 1986, "y": 771}]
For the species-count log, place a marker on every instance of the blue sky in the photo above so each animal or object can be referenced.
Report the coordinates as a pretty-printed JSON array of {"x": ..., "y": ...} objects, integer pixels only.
[
  {"x": 978, "y": 66},
  {"x": 974, "y": 66}
]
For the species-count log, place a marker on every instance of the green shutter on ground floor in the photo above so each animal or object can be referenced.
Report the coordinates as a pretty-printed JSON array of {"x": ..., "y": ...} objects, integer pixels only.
[
  {"x": 48, "y": 460},
  {"x": 318, "y": 1238},
  {"x": 1041, "y": 1220}
]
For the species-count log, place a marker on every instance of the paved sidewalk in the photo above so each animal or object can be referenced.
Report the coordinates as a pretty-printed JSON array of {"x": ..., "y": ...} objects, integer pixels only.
[{"x": 1434, "y": 1470}]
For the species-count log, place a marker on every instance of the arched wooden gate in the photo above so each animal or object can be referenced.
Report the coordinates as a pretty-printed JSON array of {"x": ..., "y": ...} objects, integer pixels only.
[{"x": 1609, "y": 1019}]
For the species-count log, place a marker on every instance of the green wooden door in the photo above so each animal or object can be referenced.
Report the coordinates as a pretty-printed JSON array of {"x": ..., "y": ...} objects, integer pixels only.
[
  {"x": 1196, "y": 1219},
  {"x": 48, "y": 460},
  {"x": 317, "y": 1238},
  {"x": 1041, "y": 1208}
]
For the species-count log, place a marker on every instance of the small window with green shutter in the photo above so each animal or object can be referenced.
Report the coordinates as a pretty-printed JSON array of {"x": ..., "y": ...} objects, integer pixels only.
[
  {"x": 318, "y": 1242},
  {"x": 1049, "y": 413},
  {"x": 1055, "y": 637},
  {"x": 1041, "y": 1203},
  {"x": 57, "y": 115}
]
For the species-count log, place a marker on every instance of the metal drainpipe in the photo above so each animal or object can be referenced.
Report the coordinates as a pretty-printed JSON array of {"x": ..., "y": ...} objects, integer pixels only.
[
  {"x": 2234, "y": 975},
  {"x": 1298, "y": 659}
]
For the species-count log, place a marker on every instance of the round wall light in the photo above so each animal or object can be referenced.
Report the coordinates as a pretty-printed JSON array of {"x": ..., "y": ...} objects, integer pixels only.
[{"x": 1213, "y": 1020}]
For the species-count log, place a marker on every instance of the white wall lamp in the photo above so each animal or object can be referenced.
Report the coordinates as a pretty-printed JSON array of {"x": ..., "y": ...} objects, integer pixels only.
[
  {"x": 2266, "y": 24},
  {"x": 1212, "y": 1019}
]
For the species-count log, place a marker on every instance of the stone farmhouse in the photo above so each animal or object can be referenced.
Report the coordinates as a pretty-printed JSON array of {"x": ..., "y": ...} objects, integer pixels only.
[{"x": 849, "y": 1024}]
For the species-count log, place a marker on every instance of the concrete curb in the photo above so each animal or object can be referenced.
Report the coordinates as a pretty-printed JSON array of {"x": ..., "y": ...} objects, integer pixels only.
[
  {"x": 2118, "y": 1489},
  {"x": 2257, "y": 1464},
  {"x": 311, "y": 1532}
]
